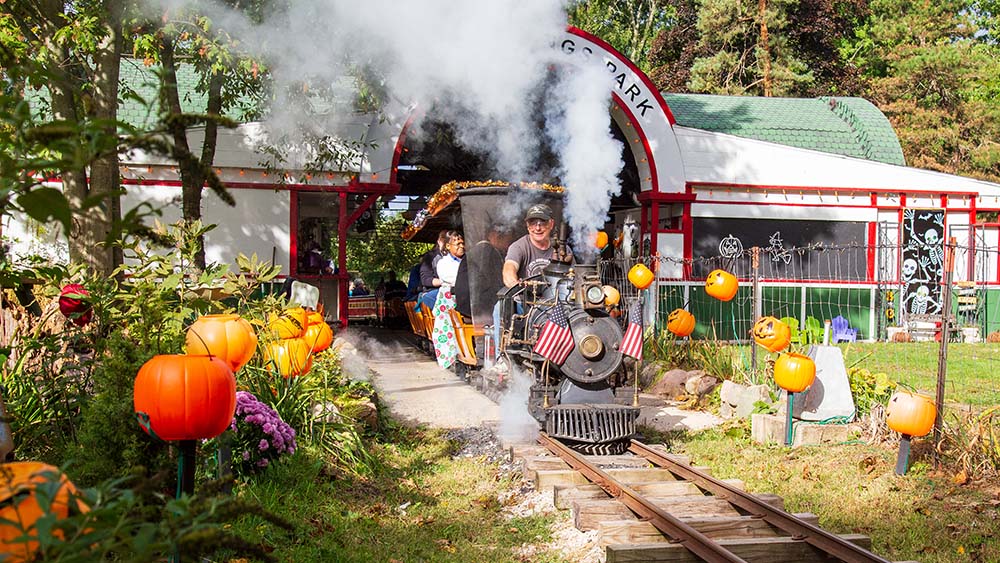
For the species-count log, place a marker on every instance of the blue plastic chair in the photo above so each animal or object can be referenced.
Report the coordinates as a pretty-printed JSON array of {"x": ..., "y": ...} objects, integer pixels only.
[{"x": 842, "y": 331}]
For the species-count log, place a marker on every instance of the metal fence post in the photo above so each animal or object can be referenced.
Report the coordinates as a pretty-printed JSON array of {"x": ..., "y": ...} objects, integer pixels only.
[
  {"x": 942, "y": 371},
  {"x": 757, "y": 307}
]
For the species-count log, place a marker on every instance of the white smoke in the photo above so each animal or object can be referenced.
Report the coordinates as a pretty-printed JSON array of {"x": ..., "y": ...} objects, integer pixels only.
[
  {"x": 479, "y": 64},
  {"x": 516, "y": 423}
]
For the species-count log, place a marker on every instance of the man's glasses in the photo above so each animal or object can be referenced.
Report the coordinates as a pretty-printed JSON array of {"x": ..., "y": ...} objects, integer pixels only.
[{"x": 537, "y": 223}]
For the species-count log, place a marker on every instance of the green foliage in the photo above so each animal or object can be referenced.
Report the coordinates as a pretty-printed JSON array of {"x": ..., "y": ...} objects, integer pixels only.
[
  {"x": 630, "y": 26},
  {"x": 383, "y": 249},
  {"x": 128, "y": 520},
  {"x": 869, "y": 389}
]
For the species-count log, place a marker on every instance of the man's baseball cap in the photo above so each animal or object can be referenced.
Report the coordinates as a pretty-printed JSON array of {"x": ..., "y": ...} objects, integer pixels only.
[{"x": 539, "y": 211}]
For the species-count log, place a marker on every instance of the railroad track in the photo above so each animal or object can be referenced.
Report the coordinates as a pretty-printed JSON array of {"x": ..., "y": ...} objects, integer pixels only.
[{"x": 649, "y": 505}]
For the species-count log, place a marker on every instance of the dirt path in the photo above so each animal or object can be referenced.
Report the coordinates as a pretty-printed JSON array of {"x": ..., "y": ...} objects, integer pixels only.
[{"x": 412, "y": 385}]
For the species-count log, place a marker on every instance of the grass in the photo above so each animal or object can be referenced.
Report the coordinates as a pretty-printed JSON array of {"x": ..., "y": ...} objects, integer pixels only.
[
  {"x": 419, "y": 505},
  {"x": 925, "y": 515}
]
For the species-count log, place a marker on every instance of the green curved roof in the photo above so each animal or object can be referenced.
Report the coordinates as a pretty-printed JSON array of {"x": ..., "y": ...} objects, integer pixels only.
[{"x": 847, "y": 126}]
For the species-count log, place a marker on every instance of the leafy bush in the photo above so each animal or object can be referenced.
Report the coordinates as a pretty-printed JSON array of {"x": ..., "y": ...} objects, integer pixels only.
[
  {"x": 869, "y": 389},
  {"x": 260, "y": 436}
]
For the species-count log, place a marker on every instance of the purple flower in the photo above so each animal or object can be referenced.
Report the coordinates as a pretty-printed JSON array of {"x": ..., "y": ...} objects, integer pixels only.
[
  {"x": 260, "y": 434},
  {"x": 246, "y": 456},
  {"x": 263, "y": 445}
]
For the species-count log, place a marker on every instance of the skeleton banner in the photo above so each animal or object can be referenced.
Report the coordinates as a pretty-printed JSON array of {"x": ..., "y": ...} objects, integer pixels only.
[{"x": 923, "y": 261}]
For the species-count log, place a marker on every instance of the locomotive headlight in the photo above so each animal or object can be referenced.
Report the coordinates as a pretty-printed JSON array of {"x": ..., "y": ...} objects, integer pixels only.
[{"x": 595, "y": 294}]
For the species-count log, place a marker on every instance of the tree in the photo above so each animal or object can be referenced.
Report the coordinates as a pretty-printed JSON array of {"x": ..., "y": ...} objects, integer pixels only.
[
  {"x": 675, "y": 48},
  {"x": 750, "y": 50},
  {"x": 630, "y": 26},
  {"x": 937, "y": 79},
  {"x": 73, "y": 50},
  {"x": 383, "y": 249}
]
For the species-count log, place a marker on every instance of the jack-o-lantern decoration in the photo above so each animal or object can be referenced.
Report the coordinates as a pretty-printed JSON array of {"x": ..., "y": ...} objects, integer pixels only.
[
  {"x": 794, "y": 372},
  {"x": 721, "y": 285},
  {"x": 600, "y": 240},
  {"x": 772, "y": 334},
  {"x": 318, "y": 335},
  {"x": 611, "y": 296},
  {"x": 640, "y": 276},
  {"x": 75, "y": 305},
  {"x": 230, "y": 337},
  {"x": 910, "y": 413},
  {"x": 185, "y": 397},
  {"x": 680, "y": 323},
  {"x": 291, "y": 323},
  {"x": 289, "y": 357},
  {"x": 20, "y": 509}
]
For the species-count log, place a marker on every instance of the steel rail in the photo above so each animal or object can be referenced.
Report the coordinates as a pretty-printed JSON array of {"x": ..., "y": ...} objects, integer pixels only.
[
  {"x": 693, "y": 540},
  {"x": 796, "y": 528}
]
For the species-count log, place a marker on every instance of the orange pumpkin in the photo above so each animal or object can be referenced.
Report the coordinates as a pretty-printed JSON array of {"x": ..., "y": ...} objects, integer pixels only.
[
  {"x": 794, "y": 372},
  {"x": 290, "y": 323},
  {"x": 640, "y": 276},
  {"x": 318, "y": 335},
  {"x": 185, "y": 397},
  {"x": 230, "y": 337},
  {"x": 291, "y": 356},
  {"x": 611, "y": 296},
  {"x": 721, "y": 285},
  {"x": 600, "y": 240},
  {"x": 772, "y": 334},
  {"x": 680, "y": 322},
  {"x": 19, "y": 482},
  {"x": 910, "y": 413}
]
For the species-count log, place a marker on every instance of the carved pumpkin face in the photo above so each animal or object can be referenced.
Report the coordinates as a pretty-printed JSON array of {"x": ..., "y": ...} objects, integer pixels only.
[
  {"x": 291, "y": 323},
  {"x": 19, "y": 483},
  {"x": 229, "y": 337},
  {"x": 772, "y": 334},
  {"x": 680, "y": 323},
  {"x": 184, "y": 397},
  {"x": 911, "y": 414},
  {"x": 721, "y": 285},
  {"x": 794, "y": 372},
  {"x": 318, "y": 335}
]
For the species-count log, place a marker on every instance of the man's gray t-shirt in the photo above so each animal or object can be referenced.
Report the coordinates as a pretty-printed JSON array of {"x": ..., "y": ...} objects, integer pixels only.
[{"x": 530, "y": 260}]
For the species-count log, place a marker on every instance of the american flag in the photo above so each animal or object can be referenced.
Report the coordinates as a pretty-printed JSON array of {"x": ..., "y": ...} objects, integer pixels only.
[
  {"x": 632, "y": 341},
  {"x": 555, "y": 341}
]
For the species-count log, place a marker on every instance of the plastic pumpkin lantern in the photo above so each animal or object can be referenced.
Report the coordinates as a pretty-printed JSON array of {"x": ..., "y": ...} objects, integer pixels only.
[
  {"x": 185, "y": 397},
  {"x": 911, "y": 414},
  {"x": 318, "y": 335},
  {"x": 229, "y": 337},
  {"x": 611, "y": 296},
  {"x": 600, "y": 240},
  {"x": 721, "y": 285},
  {"x": 794, "y": 372},
  {"x": 680, "y": 322},
  {"x": 291, "y": 323},
  {"x": 290, "y": 357},
  {"x": 640, "y": 276},
  {"x": 772, "y": 334},
  {"x": 73, "y": 304},
  {"x": 19, "y": 484}
]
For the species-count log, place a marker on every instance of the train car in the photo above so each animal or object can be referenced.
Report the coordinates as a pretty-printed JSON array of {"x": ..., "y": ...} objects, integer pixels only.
[{"x": 574, "y": 400}]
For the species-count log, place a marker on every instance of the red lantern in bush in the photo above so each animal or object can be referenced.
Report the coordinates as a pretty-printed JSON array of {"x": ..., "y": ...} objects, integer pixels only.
[
  {"x": 318, "y": 335},
  {"x": 229, "y": 337},
  {"x": 680, "y": 322},
  {"x": 721, "y": 285},
  {"x": 772, "y": 334},
  {"x": 19, "y": 482},
  {"x": 180, "y": 397},
  {"x": 794, "y": 372},
  {"x": 73, "y": 304},
  {"x": 911, "y": 414}
]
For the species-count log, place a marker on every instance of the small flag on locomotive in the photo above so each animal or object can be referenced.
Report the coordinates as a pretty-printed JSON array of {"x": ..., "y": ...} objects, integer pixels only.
[{"x": 555, "y": 342}]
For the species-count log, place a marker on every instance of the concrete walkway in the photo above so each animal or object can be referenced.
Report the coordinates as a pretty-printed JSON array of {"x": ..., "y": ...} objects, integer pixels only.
[{"x": 413, "y": 386}]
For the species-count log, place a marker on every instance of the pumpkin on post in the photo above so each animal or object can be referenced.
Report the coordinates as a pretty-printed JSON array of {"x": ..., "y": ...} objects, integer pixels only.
[
  {"x": 721, "y": 285},
  {"x": 910, "y": 414},
  {"x": 20, "y": 508},
  {"x": 318, "y": 334},
  {"x": 680, "y": 323},
  {"x": 793, "y": 373},
  {"x": 640, "y": 276},
  {"x": 772, "y": 334},
  {"x": 228, "y": 337}
]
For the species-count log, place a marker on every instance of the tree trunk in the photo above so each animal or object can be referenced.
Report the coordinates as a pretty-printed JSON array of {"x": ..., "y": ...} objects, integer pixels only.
[
  {"x": 192, "y": 178},
  {"x": 765, "y": 52}
]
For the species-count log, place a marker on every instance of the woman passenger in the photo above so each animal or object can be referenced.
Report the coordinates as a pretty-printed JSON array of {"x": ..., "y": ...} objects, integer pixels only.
[{"x": 445, "y": 344}]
